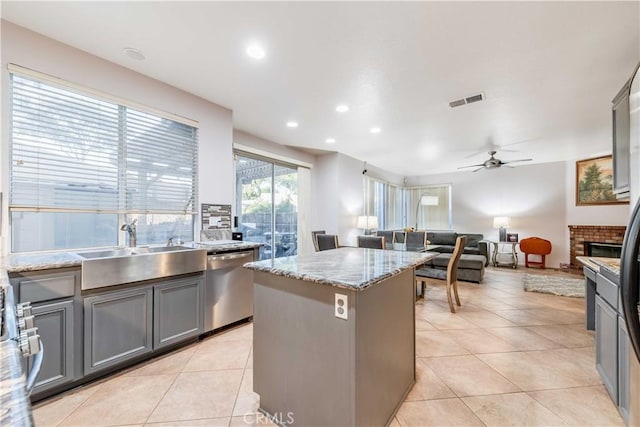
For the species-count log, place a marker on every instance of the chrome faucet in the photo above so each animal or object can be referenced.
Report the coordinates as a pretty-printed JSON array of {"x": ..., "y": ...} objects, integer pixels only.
[
  {"x": 131, "y": 229},
  {"x": 170, "y": 242}
]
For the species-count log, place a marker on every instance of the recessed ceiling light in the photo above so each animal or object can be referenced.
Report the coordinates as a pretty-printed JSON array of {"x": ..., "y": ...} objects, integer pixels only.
[
  {"x": 134, "y": 53},
  {"x": 292, "y": 124},
  {"x": 342, "y": 108},
  {"x": 255, "y": 51},
  {"x": 330, "y": 141},
  {"x": 375, "y": 130}
]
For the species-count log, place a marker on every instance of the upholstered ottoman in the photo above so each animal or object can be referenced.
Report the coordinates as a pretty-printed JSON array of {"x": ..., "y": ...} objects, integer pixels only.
[{"x": 470, "y": 267}]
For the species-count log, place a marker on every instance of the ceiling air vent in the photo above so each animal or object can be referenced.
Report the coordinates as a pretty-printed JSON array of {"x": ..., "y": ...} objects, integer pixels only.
[{"x": 468, "y": 100}]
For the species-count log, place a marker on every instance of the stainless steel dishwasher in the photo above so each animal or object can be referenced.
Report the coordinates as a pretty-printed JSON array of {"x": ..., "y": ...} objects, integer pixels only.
[{"x": 228, "y": 290}]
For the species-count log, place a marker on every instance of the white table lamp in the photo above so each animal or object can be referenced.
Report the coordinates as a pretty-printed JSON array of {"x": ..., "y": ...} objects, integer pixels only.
[
  {"x": 502, "y": 222},
  {"x": 367, "y": 223}
]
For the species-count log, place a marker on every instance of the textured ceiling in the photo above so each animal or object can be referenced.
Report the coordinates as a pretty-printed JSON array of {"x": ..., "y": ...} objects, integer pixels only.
[{"x": 548, "y": 70}]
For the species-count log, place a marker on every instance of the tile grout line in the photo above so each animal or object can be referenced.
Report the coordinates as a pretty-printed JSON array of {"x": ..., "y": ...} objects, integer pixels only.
[
  {"x": 170, "y": 386},
  {"x": 244, "y": 372}
]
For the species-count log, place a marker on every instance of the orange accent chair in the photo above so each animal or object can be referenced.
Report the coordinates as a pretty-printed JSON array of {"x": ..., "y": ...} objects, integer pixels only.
[{"x": 535, "y": 246}]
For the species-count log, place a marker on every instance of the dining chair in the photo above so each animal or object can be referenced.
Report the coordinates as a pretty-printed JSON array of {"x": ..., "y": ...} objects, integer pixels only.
[
  {"x": 388, "y": 237},
  {"x": 313, "y": 237},
  {"x": 327, "y": 241},
  {"x": 399, "y": 239},
  {"x": 449, "y": 277},
  {"x": 416, "y": 240},
  {"x": 371, "y": 242}
]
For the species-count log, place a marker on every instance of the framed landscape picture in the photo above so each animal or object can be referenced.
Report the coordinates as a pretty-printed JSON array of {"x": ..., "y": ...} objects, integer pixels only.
[{"x": 594, "y": 182}]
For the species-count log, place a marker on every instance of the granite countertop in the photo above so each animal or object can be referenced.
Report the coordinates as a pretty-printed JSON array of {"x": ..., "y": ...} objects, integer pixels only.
[
  {"x": 224, "y": 245},
  {"x": 17, "y": 263},
  {"x": 347, "y": 268},
  {"x": 596, "y": 263},
  {"x": 15, "y": 407}
]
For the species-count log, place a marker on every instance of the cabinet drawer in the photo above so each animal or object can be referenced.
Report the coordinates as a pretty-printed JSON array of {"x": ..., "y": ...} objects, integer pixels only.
[
  {"x": 607, "y": 291},
  {"x": 589, "y": 273},
  {"x": 44, "y": 287}
]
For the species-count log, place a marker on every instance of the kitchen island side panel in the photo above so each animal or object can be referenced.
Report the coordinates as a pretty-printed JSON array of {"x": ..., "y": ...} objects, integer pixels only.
[
  {"x": 385, "y": 348},
  {"x": 303, "y": 356}
]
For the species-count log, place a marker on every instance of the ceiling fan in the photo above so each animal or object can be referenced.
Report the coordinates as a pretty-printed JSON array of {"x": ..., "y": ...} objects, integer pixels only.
[{"x": 493, "y": 163}]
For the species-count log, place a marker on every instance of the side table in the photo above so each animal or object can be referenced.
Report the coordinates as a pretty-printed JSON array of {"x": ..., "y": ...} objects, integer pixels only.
[{"x": 510, "y": 256}]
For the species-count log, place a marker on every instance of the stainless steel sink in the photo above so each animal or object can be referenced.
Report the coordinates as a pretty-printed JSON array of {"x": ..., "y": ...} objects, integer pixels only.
[
  {"x": 109, "y": 253},
  {"x": 158, "y": 249},
  {"x": 127, "y": 265}
]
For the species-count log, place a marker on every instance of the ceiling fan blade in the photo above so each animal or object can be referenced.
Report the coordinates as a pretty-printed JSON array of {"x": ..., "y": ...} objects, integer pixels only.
[
  {"x": 519, "y": 160},
  {"x": 471, "y": 166},
  {"x": 476, "y": 170}
]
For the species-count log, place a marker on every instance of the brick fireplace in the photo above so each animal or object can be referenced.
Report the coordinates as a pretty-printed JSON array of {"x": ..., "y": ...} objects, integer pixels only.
[{"x": 581, "y": 235}]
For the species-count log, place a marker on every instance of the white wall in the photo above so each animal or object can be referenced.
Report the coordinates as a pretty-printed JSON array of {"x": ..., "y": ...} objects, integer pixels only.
[
  {"x": 28, "y": 49},
  {"x": 338, "y": 194},
  {"x": 539, "y": 198},
  {"x": 245, "y": 138}
]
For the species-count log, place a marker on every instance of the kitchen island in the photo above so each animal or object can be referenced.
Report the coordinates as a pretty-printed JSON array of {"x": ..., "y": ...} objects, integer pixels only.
[{"x": 334, "y": 335}]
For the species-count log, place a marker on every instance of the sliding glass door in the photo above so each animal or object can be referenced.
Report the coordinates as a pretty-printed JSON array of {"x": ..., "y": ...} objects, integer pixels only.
[{"x": 267, "y": 205}]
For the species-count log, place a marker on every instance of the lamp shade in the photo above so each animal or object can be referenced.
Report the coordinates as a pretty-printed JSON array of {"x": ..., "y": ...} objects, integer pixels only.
[
  {"x": 501, "y": 222},
  {"x": 426, "y": 200},
  {"x": 367, "y": 222}
]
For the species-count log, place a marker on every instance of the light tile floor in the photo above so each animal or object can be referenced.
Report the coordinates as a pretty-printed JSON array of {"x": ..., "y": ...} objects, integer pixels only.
[{"x": 507, "y": 358}]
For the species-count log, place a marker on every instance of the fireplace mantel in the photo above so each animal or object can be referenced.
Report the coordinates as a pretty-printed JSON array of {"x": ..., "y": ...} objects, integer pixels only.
[{"x": 581, "y": 234}]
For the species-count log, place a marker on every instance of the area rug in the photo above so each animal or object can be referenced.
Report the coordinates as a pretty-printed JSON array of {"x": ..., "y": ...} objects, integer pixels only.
[{"x": 556, "y": 285}]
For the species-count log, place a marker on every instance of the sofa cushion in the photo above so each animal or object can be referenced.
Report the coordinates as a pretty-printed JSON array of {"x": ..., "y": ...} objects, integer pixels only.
[
  {"x": 473, "y": 262},
  {"x": 471, "y": 251},
  {"x": 473, "y": 240},
  {"x": 433, "y": 273},
  {"x": 442, "y": 237},
  {"x": 443, "y": 249}
]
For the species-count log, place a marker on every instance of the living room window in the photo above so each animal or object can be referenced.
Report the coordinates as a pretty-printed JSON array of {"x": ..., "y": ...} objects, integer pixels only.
[
  {"x": 385, "y": 201},
  {"x": 429, "y": 207},
  {"x": 396, "y": 206},
  {"x": 83, "y": 164}
]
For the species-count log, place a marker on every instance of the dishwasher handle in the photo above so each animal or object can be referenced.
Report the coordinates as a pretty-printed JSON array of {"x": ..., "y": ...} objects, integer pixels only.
[{"x": 216, "y": 261}]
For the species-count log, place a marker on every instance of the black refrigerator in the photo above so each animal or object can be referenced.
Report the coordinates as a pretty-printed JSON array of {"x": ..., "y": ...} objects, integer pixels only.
[{"x": 630, "y": 258}]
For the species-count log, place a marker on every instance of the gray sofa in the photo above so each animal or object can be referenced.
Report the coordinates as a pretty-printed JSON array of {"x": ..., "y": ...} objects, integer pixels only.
[
  {"x": 446, "y": 241},
  {"x": 474, "y": 259},
  {"x": 475, "y": 256}
]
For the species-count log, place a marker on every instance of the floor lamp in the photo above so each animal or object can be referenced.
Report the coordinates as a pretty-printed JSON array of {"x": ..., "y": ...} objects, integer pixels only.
[{"x": 425, "y": 200}]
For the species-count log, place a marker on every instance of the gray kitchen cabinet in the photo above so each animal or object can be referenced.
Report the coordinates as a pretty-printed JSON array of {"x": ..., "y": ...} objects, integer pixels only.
[
  {"x": 621, "y": 143},
  {"x": 55, "y": 326},
  {"x": 624, "y": 350},
  {"x": 590, "y": 298},
  {"x": 178, "y": 310},
  {"x": 118, "y": 326},
  {"x": 56, "y": 314},
  {"x": 607, "y": 346}
]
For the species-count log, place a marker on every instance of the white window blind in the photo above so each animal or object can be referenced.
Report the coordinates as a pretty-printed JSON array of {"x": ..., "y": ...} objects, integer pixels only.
[
  {"x": 75, "y": 153},
  {"x": 161, "y": 164},
  {"x": 436, "y": 216},
  {"x": 64, "y": 149},
  {"x": 82, "y": 164}
]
